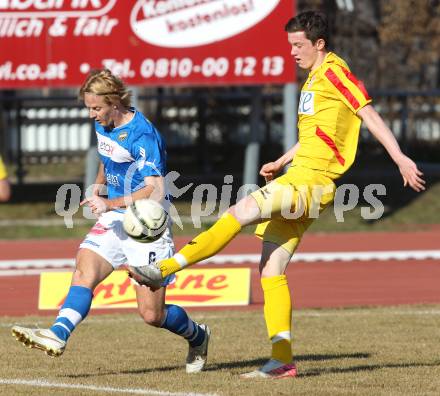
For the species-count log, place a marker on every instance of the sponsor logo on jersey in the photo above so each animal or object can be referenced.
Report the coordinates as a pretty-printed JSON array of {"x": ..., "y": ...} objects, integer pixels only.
[
  {"x": 111, "y": 149},
  {"x": 307, "y": 103},
  {"x": 106, "y": 148},
  {"x": 112, "y": 179}
]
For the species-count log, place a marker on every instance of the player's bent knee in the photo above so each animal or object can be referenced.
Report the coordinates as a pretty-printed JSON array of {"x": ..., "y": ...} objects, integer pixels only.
[
  {"x": 246, "y": 211},
  {"x": 151, "y": 317},
  {"x": 82, "y": 278}
]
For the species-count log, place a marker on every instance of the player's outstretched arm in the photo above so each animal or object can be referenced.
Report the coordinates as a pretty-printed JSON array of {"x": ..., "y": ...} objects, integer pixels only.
[{"x": 412, "y": 176}]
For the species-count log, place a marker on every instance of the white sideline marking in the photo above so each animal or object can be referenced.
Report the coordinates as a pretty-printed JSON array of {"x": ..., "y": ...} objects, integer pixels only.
[
  {"x": 37, "y": 263},
  {"x": 24, "y": 272},
  {"x": 105, "y": 389},
  {"x": 333, "y": 256},
  {"x": 32, "y": 267}
]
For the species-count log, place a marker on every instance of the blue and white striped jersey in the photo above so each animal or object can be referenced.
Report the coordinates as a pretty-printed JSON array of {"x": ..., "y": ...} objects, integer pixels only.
[{"x": 130, "y": 153}]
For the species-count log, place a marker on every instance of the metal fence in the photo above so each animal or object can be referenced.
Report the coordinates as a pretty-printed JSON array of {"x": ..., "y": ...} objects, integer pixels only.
[
  {"x": 414, "y": 119},
  {"x": 206, "y": 129}
]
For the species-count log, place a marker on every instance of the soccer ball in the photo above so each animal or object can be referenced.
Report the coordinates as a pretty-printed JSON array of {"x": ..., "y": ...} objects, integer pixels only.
[{"x": 145, "y": 220}]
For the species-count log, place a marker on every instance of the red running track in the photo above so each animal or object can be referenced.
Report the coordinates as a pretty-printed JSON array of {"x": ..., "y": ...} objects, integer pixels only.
[
  {"x": 320, "y": 284},
  {"x": 335, "y": 242}
]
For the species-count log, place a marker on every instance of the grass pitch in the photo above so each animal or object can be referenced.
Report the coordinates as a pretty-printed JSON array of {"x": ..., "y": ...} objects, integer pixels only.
[{"x": 356, "y": 351}]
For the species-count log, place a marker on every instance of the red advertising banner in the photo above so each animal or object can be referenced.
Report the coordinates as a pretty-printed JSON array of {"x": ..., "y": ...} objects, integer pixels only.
[{"x": 55, "y": 43}]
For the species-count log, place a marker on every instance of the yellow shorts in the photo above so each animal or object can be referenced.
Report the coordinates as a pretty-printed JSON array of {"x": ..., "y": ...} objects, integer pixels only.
[{"x": 290, "y": 203}]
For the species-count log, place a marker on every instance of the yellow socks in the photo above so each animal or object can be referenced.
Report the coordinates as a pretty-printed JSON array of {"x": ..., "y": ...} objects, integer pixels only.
[
  {"x": 205, "y": 245},
  {"x": 278, "y": 316}
]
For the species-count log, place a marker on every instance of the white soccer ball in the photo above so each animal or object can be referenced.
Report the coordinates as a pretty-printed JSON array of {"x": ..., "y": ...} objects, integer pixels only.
[{"x": 145, "y": 220}]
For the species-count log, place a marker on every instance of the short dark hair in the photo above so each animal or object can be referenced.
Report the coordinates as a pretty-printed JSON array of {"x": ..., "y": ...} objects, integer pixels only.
[{"x": 313, "y": 23}]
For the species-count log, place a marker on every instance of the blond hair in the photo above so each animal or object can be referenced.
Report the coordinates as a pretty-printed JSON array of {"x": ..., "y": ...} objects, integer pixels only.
[{"x": 111, "y": 88}]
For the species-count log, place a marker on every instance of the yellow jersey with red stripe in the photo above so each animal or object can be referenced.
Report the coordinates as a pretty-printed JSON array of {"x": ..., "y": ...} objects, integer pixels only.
[
  {"x": 3, "y": 173},
  {"x": 328, "y": 123}
]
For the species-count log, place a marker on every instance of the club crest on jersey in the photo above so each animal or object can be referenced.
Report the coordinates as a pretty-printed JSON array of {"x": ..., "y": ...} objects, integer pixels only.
[
  {"x": 307, "y": 103},
  {"x": 122, "y": 136}
]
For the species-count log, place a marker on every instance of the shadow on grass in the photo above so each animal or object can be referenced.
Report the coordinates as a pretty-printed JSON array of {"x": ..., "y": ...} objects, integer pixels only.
[
  {"x": 221, "y": 366},
  {"x": 298, "y": 358},
  {"x": 122, "y": 372},
  {"x": 355, "y": 369}
]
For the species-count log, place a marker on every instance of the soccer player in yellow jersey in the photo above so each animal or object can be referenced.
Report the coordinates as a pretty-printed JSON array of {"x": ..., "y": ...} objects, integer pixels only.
[
  {"x": 332, "y": 105},
  {"x": 5, "y": 189}
]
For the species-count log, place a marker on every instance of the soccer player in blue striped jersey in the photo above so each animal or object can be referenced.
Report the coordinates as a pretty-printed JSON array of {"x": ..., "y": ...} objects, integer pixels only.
[{"x": 133, "y": 166}]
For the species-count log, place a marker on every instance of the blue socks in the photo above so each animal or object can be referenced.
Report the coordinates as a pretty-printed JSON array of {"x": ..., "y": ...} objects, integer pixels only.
[
  {"x": 177, "y": 321},
  {"x": 75, "y": 308}
]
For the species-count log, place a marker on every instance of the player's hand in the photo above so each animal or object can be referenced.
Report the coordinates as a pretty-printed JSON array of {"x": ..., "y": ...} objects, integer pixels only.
[
  {"x": 97, "y": 189},
  {"x": 98, "y": 204},
  {"x": 270, "y": 170},
  {"x": 412, "y": 176}
]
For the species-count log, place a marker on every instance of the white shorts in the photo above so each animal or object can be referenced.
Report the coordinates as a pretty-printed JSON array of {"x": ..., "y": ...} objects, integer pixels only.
[{"x": 108, "y": 239}]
